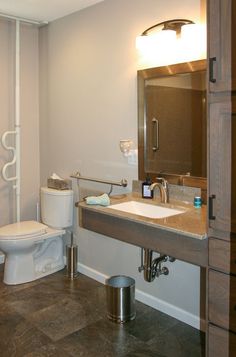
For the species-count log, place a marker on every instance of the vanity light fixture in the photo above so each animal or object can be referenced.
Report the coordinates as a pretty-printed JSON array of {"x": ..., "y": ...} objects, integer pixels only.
[
  {"x": 169, "y": 25},
  {"x": 172, "y": 41}
]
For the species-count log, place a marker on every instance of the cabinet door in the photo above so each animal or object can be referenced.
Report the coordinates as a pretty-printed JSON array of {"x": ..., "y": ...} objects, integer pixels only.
[
  {"x": 220, "y": 169},
  {"x": 221, "y": 342},
  {"x": 219, "y": 44},
  {"x": 222, "y": 255},
  {"x": 222, "y": 300}
]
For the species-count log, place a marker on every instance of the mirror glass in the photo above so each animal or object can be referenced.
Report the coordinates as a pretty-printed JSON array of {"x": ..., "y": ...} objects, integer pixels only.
[{"x": 172, "y": 120}]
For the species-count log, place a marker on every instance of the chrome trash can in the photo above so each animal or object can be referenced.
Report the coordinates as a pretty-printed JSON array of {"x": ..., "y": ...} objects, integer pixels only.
[{"x": 120, "y": 293}]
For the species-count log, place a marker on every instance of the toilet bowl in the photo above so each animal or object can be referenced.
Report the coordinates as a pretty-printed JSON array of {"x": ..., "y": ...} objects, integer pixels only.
[{"x": 32, "y": 249}]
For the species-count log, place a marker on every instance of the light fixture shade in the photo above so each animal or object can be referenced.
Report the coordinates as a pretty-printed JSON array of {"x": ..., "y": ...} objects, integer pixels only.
[
  {"x": 156, "y": 48},
  {"x": 193, "y": 38},
  {"x": 179, "y": 41},
  {"x": 160, "y": 38}
]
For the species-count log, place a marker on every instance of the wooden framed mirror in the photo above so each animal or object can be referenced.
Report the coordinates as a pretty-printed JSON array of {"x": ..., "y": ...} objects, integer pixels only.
[{"x": 172, "y": 130}]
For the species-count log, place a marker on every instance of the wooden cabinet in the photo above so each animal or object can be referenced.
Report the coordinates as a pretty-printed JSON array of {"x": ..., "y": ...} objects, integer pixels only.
[
  {"x": 222, "y": 300},
  {"x": 221, "y": 342},
  {"x": 219, "y": 45},
  {"x": 221, "y": 179},
  {"x": 219, "y": 124},
  {"x": 222, "y": 255}
]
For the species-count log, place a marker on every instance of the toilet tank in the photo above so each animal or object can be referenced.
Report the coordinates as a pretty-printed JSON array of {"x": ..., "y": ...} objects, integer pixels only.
[{"x": 56, "y": 207}]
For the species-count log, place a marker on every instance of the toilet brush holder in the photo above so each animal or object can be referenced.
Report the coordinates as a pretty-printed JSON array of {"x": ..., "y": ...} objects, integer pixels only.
[{"x": 72, "y": 256}]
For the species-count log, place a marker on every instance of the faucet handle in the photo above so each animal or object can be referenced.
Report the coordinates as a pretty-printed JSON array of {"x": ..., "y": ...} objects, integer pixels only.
[{"x": 163, "y": 181}]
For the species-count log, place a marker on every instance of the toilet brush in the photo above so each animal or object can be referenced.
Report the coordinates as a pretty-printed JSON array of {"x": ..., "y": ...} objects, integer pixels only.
[{"x": 71, "y": 254}]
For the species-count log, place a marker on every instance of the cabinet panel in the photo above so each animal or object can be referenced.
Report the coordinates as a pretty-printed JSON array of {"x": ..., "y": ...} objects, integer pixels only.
[
  {"x": 220, "y": 342},
  {"x": 219, "y": 45},
  {"x": 222, "y": 255},
  {"x": 219, "y": 122},
  {"x": 222, "y": 300},
  {"x": 233, "y": 180}
]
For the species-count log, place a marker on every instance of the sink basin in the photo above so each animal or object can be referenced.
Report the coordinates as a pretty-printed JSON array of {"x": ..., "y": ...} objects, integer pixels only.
[{"x": 146, "y": 209}]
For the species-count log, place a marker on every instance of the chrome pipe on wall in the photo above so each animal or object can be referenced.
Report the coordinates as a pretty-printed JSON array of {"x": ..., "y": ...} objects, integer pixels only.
[
  {"x": 152, "y": 268},
  {"x": 147, "y": 271}
]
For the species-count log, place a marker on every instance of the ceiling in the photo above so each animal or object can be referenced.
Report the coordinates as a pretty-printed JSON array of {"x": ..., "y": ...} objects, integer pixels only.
[{"x": 43, "y": 10}]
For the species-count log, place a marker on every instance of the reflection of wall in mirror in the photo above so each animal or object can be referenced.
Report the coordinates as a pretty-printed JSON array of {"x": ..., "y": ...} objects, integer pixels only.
[{"x": 182, "y": 142}]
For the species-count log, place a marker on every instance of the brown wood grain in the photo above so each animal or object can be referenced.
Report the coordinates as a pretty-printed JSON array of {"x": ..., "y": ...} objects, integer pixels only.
[
  {"x": 222, "y": 300},
  {"x": 220, "y": 165},
  {"x": 222, "y": 255},
  {"x": 219, "y": 43},
  {"x": 221, "y": 343}
]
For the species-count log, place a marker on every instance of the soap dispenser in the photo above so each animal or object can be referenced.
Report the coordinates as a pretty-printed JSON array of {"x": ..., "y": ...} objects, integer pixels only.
[{"x": 146, "y": 192}]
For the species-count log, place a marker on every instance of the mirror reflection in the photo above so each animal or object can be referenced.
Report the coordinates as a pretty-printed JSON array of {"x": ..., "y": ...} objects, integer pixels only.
[{"x": 172, "y": 120}]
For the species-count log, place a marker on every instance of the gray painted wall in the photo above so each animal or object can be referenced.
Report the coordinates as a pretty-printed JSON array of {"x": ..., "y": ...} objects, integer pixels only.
[{"x": 88, "y": 103}]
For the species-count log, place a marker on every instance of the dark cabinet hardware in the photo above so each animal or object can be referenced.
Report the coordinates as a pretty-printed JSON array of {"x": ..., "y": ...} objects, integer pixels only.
[
  {"x": 211, "y": 69},
  {"x": 210, "y": 206}
]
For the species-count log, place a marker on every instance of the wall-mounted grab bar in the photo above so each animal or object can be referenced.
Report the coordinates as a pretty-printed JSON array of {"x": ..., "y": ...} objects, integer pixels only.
[
  {"x": 122, "y": 183},
  {"x": 15, "y": 150},
  {"x": 13, "y": 161}
]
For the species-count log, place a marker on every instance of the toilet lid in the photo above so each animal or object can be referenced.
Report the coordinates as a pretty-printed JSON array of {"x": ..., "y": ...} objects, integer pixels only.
[{"x": 23, "y": 229}]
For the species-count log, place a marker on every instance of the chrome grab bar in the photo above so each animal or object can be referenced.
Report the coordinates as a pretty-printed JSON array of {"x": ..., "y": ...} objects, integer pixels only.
[{"x": 122, "y": 183}]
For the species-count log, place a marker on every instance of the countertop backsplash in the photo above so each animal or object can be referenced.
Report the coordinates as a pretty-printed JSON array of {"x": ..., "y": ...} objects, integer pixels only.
[{"x": 177, "y": 192}]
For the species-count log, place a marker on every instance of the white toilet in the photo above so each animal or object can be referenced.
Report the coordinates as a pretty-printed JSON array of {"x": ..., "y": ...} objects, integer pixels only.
[{"x": 32, "y": 249}]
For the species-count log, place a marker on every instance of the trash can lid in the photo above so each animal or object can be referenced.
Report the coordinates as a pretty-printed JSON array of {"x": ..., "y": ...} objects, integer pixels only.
[{"x": 120, "y": 281}]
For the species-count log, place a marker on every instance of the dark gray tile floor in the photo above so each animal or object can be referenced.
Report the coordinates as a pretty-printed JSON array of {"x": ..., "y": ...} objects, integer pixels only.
[{"x": 57, "y": 317}]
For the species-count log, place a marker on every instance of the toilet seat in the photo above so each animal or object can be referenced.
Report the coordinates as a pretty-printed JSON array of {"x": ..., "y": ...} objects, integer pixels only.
[{"x": 22, "y": 230}]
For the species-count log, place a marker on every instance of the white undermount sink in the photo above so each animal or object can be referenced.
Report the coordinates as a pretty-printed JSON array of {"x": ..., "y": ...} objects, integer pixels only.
[{"x": 146, "y": 209}]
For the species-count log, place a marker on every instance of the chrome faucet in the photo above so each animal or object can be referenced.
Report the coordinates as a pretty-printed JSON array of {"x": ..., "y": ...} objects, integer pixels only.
[{"x": 163, "y": 187}]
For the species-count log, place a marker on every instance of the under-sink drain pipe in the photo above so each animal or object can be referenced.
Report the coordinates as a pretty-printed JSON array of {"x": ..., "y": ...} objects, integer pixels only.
[{"x": 152, "y": 268}]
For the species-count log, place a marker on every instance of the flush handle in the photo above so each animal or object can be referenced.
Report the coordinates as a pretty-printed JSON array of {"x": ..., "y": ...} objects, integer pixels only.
[
  {"x": 210, "y": 212},
  {"x": 155, "y": 123},
  {"x": 211, "y": 69}
]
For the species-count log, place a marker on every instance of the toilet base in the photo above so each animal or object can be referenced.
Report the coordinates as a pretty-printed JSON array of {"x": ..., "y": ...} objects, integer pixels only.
[
  {"x": 15, "y": 279},
  {"x": 44, "y": 257}
]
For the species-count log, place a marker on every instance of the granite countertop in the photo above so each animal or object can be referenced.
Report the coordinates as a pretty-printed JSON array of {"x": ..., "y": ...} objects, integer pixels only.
[{"x": 191, "y": 223}]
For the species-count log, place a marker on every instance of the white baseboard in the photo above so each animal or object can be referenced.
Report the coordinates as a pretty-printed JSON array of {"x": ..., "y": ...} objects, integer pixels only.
[
  {"x": 147, "y": 299},
  {"x": 168, "y": 309},
  {"x": 92, "y": 273}
]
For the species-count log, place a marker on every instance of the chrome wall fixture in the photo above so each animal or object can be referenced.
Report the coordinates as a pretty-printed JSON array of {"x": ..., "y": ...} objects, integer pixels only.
[
  {"x": 152, "y": 268},
  {"x": 78, "y": 176},
  {"x": 122, "y": 183}
]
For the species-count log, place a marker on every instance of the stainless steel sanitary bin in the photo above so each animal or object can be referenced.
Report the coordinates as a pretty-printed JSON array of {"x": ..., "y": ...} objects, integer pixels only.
[{"x": 120, "y": 291}]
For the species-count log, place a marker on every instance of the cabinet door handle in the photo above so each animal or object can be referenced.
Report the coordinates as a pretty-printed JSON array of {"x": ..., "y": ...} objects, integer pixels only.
[
  {"x": 211, "y": 69},
  {"x": 210, "y": 207}
]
